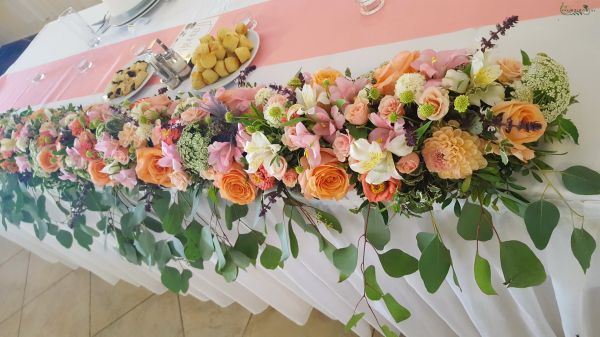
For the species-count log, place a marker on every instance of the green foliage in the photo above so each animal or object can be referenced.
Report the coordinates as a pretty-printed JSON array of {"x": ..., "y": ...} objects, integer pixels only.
[
  {"x": 233, "y": 213},
  {"x": 345, "y": 260},
  {"x": 353, "y": 321},
  {"x": 270, "y": 257},
  {"x": 65, "y": 238},
  {"x": 520, "y": 266},
  {"x": 525, "y": 58},
  {"x": 285, "y": 241},
  {"x": 397, "y": 263},
  {"x": 541, "y": 217},
  {"x": 174, "y": 280},
  {"x": 329, "y": 220},
  {"x": 378, "y": 233},
  {"x": 434, "y": 264},
  {"x": 372, "y": 289},
  {"x": 483, "y": 275},
  {"x": 475, "y": 223},
  {"x": 398, "y": 312},
  {"x": 583, "y": 246},
  {"x": 581, "y": 180}
]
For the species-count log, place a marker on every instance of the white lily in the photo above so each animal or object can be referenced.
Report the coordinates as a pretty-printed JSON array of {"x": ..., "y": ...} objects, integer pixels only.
[
  {"x": 309, "y": 96},
  {"x": 259, "y": 151},
  {"x": 398, "y": 146},
  {"x": 484, "y": 70},
  {"x": 369, "y": 158},
  {"x": 491, "y": 95},
  {"x": 456, "y": 81}
]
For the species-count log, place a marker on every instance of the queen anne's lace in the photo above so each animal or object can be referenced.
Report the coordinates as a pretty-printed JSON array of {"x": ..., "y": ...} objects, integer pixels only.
[{"x": 545, "y": 82}]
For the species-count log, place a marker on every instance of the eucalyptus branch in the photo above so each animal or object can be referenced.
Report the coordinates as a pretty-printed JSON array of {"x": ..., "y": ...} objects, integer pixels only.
[{"x": 560, "y": 195}]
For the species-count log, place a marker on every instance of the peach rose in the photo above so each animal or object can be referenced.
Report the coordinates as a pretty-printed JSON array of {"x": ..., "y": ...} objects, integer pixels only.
[
  {"x": 387, "y": 75},
  {"x": 357, "y": 113},
  {"x": 328, "y": 75},
  {"x": 47, "y": 160},
  {"x": 408, "y": 163},
  {"x": 180, "y": 180},
  {"x": 511, "y": 70},
  {"x": 94, "y": 169},
  {"x": 326, "y": 182},
  {"x": 341, "y": 146},
  {"x": 236, "y": 187},
  {"x": 279, "y": 167},
  {"x": 521, "y": 122},
  {"x": 379, "y": 192},
  {"x": 192, "y": 115},
  {"x": 290, "y": 178},
  {"x": 440, "y": 101},
  {"x": 148, "y": 170},
  {"x": 520, "y": 151},
  {"x": 388, "y": 105}
]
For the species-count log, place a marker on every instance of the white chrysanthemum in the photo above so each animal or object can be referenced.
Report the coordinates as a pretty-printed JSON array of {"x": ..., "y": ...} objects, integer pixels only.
[
  {"x": 274, "y": 113},
  {"x": 545, "y": 82},
  {"x": 262, "y": 95},
  {"x": 413, "y": 82}
]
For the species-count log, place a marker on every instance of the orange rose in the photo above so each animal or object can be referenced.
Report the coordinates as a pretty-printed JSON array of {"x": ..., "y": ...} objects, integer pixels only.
[
  {"x": 326, "y": 182},
  {"x": 323, "y": 75},
  {"x": 379, "y": 192},
  {"x": 387, "y": 75},
  {"x": 408, "y": 164},
  {"x": 521, "y": 122},
  {"x": 236, "y": 187},
  {"x": 148, "y": 170},
  {"x": 511, "y": 70},
  {"x": 48, "y": 161},
  {"x": 97, "y": 177}
]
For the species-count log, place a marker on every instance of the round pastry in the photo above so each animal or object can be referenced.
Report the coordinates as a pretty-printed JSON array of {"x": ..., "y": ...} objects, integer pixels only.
[
  {"x": 243, "y": 54},
  {"x": 232, "y": 64},
  {"x": 222, "y": 32},
  {"x": 208, "y": 60},
  {"x": 231, "y": 41},
  {"x": 241, "y": 28},
  {"x": 197, "y": 81},
  {"x": 209, "y": 76},
  {"x": 220, "y": 68},
  {"x": 245, "y": 42}
]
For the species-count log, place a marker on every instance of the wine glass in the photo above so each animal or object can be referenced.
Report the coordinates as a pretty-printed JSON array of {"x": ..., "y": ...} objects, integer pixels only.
[
  {"x": 368, "y": 7},
  {"x": 75, "y": 24}
]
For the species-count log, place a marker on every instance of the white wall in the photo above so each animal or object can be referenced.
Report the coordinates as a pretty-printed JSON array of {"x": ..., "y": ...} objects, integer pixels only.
[{"x": 22, "y": 18}]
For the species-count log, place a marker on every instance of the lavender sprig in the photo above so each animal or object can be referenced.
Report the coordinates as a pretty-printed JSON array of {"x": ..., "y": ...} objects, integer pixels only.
[
  {"x": 500, "y": 30},
  {"x": 285, "y": 91},
  {"x": 242, "y": 80}
]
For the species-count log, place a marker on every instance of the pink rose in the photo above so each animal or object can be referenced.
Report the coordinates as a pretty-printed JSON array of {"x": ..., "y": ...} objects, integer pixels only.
[
  {"x": 192, "y": 115},
  {"x": 290, "y": 178},
  {"x": 357, "y": 113},
  {"x": 438, "y": 98},
  {"x": 277, "y": 99},
  {"x": 121, "y": 155},
  {"x": 287, "y": 140},
  {"x": 180, "y": 180},
  {"x": 408, "y": 163},
  {"x": 341, "y": 146},
  {"x": 388, "y": 105},
  {"x": 279, "y": 167}
]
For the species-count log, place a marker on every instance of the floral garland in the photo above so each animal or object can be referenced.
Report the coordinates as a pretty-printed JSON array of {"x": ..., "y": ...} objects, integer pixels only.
[{"x": 426, "y": 128}]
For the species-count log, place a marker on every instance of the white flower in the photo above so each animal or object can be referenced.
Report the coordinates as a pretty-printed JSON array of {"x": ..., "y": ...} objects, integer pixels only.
[
  {"x": 413, "y": 82},
  {"x": 274, "y": 113},
  {"x": 484, "y": 70},
  {"x": 309, "y": 96},
  {"x": 262, "y": 95},
  {"x": 370, "y": 159},
  {"x": 144, "y": 131},
  {"x": 398, "y": 146},
  {"x": 456, "y": 81},
  {"x": 111, "y": 168},
  {"x": 8, "y": 145},
  {"x": 259, "y": 151},
  {"x": 491, "y": 95}
]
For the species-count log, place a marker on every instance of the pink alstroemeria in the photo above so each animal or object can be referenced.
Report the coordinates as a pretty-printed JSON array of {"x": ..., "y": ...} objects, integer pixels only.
[
  {"x": 23, "y": 163},
  {"x": 170, "y": 157},
  {"x": 222, "y": 155},
  {"x": 125, "y": 177},
  {"x": 435, "y": 64},
  {"x": 242, "y": 137},
  {"x": 346, "y": 89},
  {"x": 326, "y": 126},
  {"x": 101, "y": 112},
  {"x": 67, "y": 176},
  {"x": 75, "y": 158},
  {"x": 107, "y": 145},
  {"x": 391, "y": 138},
  {"x": 306, "y": 140},
  {"x": 238, "y": 100}
]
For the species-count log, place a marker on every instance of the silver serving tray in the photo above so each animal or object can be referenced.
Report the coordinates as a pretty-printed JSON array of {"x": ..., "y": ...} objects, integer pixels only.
[{"x": 132, "y": 14}]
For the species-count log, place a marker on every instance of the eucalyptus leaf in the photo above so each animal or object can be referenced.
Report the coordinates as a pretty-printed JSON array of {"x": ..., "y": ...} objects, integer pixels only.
[
  {"x": 233, "y": 213},
  {"x": 219, "y": 251},
  {"x": 398, "y": 312},
  {"x": 353, "y": 321},
  {"x": 520, "y": 266},
  {"x": 345, "y": 260},
  {"x": 475, "y": 223},
  {"x": 83, "y": 239},
  {"x": 483, "y": 275},
  {"x": 434, "y": 264},
  {"x": 541, "y": 217},
  {"x": 184, "y": 280},
  {"x": 171, "y": 278},
  {"x": 284, "y": 239},
  {"x": 397, "y": 263},
  {"x": 372, "y": 289},
  {"x": 424, "y": 239},
  {"x": 144, "y": 243},
  {"x": 378, "y": 233},
  {"x": 388, "y": 332},
  {"x": 173, "y": 219},
  {"x": 270, "y": 257},
  {"x": 583, "y": 246},
  {"x": 294, "y": 249},
  {"x": 581, "y": 180},
  {"x": 329, "y": 220},
  {"x": 65, "y": 238}
]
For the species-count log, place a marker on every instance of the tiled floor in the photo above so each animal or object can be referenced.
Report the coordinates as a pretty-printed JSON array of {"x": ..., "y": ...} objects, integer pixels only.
[{"x": 50, "y": 300}]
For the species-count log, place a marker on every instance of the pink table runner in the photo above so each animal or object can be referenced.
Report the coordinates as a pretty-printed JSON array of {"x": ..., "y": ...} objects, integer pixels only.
[{"x": 290, "y": 30}]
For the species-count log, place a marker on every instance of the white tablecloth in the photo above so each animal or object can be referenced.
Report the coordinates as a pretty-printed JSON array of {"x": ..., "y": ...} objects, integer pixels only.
[{"x": 563, "y": 306}]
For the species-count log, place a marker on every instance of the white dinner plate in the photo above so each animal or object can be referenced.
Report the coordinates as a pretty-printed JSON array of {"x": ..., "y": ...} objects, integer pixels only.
[
  {"x": 133, "y": 13},
  {"x": 255, "y": 39},
  {"x": 118, "y": 100}
]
